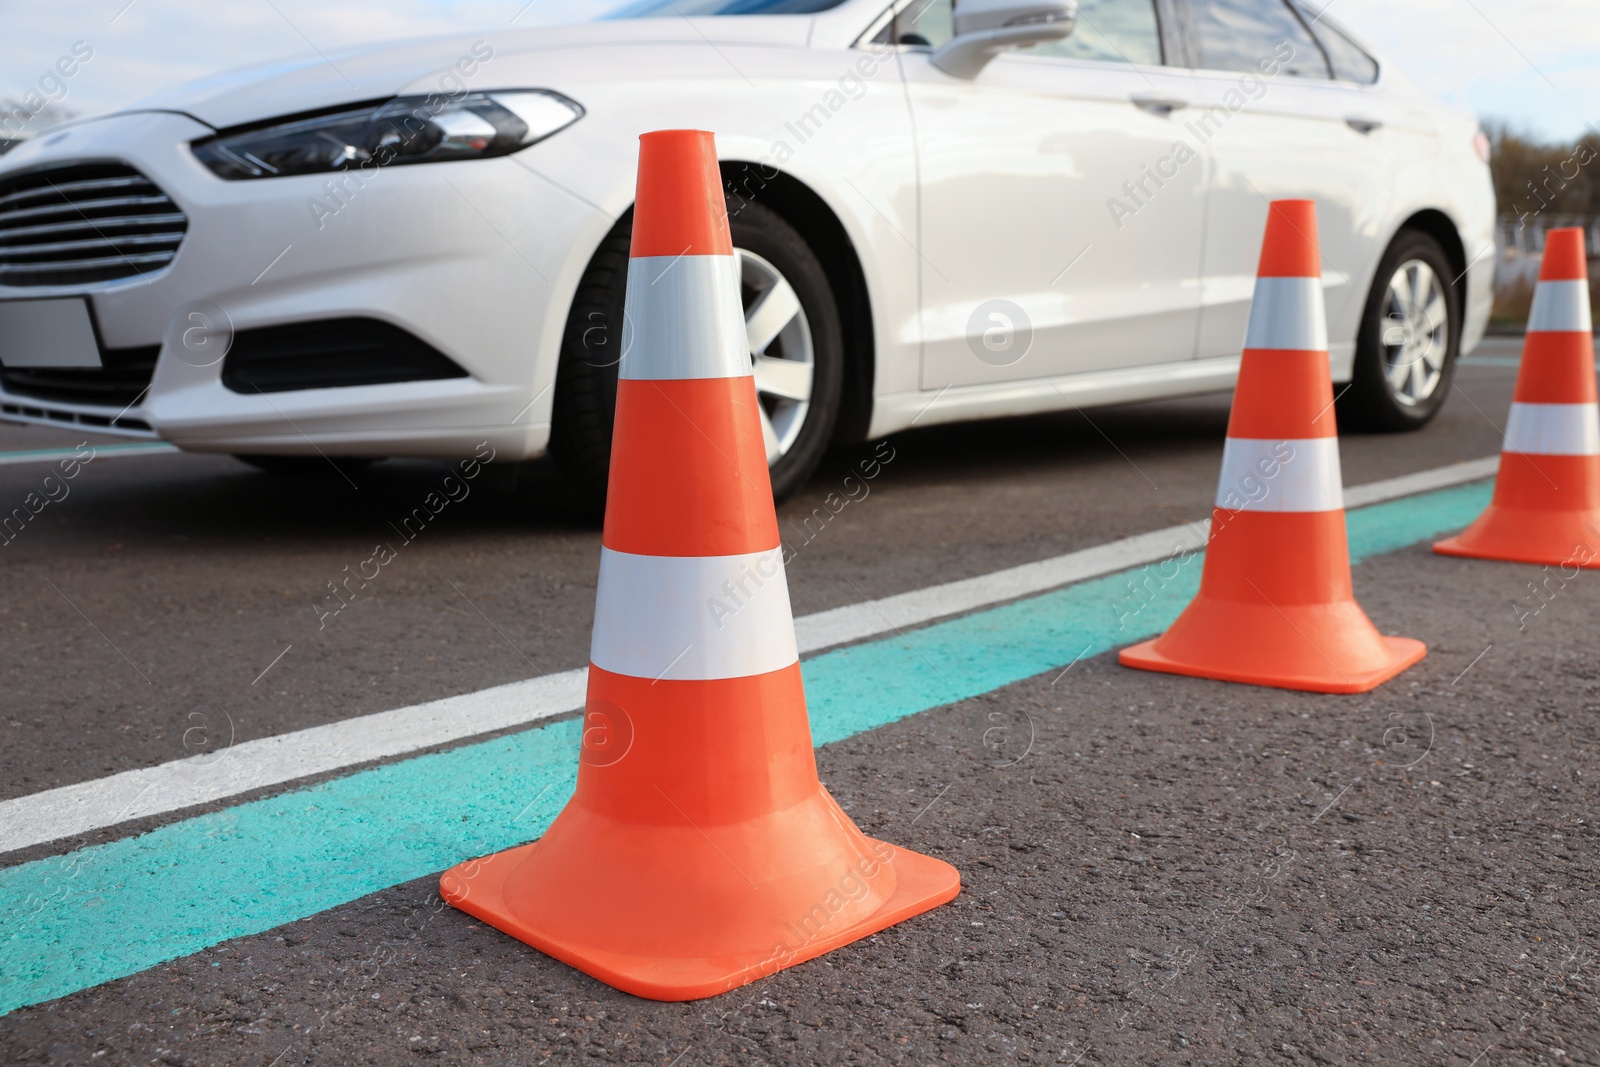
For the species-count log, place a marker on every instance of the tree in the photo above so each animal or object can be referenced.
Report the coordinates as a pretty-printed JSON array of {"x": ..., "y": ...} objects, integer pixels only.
[{"x": 1533, "y": 177}]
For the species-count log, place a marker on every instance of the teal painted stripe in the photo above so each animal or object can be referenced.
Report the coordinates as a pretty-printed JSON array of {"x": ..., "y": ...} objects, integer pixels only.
[
  {"x": 45, "y": 453},
  {"x": 115, "y": 909},
  {"x": 1385, "y": 528},
  {"x": 857, "y": 688},
  {"x": 49, "y": 455}
]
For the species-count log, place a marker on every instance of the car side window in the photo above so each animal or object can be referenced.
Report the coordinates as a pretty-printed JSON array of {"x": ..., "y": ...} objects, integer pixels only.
[
  {"x": 1113, "y": 31},
  {"x": 1349, "y": 62},
  {"x": 1237, "y": 35},
  {"x": 923, "y": 22}
]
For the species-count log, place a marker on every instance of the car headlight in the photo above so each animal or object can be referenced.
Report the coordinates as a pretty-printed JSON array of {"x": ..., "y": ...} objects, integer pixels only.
[{"x": 407, "y": 129}]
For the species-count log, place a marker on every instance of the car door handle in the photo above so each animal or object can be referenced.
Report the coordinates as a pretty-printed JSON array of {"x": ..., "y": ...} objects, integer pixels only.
[
  {"x": 1362, "y": 123},
  {"x": 1158, "y": 105}
]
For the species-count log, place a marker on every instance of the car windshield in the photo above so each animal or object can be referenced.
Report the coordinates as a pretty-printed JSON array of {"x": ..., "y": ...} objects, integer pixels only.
[{"x": 645, "y": 9}]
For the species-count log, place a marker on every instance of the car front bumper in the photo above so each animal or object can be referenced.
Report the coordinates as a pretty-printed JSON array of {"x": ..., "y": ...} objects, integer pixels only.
[{"x": 478, "y": 259}]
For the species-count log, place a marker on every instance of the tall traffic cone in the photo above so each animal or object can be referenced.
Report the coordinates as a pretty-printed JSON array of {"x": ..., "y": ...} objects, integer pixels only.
[
  {"x": 1275, "y": 605},
  {"x": 1546, "y": 504},
  {"x": 699, "y": 851}
]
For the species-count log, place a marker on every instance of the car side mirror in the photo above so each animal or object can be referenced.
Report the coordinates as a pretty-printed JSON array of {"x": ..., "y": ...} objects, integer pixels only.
[{"x": 985, "y": 28}]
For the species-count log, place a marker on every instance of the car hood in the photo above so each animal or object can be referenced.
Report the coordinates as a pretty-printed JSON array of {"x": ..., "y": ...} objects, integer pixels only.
[{"x": 374, "y": 72}]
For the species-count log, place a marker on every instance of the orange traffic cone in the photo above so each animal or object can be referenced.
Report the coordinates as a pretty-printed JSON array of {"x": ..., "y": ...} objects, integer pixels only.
[
  {"x": 699, "y": 852},
  {"x": 1546, "y": 505},
  {"x": 1275, "y": 605}
]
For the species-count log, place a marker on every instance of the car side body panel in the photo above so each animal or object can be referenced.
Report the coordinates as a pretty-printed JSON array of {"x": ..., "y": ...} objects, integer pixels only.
[{"x": 481, "y": 259}]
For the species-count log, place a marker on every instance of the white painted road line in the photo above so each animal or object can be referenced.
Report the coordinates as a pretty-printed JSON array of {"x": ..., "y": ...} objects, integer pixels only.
[
  {"x": 269, "y": 761},
  {"x": 52, "y": 455},
  {"x": 857, "y": 621},
  {"x": 1421, "y": 482},
  {"x": 853, "y": 622}
]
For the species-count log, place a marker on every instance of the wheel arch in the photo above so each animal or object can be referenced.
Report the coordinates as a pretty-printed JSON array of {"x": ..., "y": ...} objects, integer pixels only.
[
  {"x": 1441, "y": 228},
  {"x": 1366, "y": 404},
  {"x": 802, "y": 208}
]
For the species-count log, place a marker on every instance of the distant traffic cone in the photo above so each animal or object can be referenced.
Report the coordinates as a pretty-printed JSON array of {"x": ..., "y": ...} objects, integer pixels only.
[
  {"x": 1275, "y": 605},
  {"x": 1546, "y": 505},
  {"x": 699, "y": 851}
]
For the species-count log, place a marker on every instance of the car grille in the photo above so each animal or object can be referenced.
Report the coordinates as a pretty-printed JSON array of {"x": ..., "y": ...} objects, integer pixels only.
[
  {"x": 89, "y": 222},
  {"x": 120, "y": 383}
]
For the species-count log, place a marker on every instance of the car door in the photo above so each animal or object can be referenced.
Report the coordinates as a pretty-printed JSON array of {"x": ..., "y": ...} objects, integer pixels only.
[
  {"x": 1275, "y": 123},
  {"x": 1059, "y": 231}
]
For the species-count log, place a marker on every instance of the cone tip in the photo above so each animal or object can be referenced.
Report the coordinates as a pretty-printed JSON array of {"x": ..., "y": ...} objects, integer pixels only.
[
  {"x": 1564, "y": 258},
  {"x": 1289, "y": 246},
  {"x": 678, "y": 205}
]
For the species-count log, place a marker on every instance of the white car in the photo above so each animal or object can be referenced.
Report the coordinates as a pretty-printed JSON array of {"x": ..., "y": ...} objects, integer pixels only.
[{"x": 1019, "y": 206}]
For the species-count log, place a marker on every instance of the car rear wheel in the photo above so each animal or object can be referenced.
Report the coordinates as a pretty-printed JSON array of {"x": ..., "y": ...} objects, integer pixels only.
[
  {"x": 791, "y": 318},
  {"x": 1409, "y": 339}
]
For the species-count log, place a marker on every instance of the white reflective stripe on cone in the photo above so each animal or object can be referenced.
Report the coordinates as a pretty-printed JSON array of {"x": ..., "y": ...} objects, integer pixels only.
[
  {"x": 685, "y": 319},
  {"x": 1288, "y": 313},
  {"x": 1554, "y": 429},
  {"x": 1560, "y": 306},
  {"x": 692, "y": 617},
  {"x": 1300, "y": 474}
]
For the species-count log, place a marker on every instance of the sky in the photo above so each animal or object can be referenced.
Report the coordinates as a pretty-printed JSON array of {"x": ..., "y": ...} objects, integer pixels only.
[{"x": 1534, "y": 63}]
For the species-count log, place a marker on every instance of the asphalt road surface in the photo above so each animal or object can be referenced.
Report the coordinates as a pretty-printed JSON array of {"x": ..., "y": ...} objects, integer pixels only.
[{"x": 1170, "y": 871}]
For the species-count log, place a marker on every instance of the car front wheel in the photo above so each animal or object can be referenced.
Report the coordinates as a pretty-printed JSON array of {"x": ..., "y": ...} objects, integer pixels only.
[
  {"x": 797, "y": 352},
  {"x": 1409, "y": 339}
]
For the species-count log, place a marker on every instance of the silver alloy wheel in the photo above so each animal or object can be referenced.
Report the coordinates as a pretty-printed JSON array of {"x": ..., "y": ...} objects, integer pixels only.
[
  {"x": 780, "y": 349},
  {"x": 1416, "y": 332}
]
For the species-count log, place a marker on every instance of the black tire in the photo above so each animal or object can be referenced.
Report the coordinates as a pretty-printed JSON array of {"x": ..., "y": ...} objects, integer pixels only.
[
  {"x": 306, "y": 466},
  {"x": 1371, "y": 402},
  {"x": 585, "y": 401}
]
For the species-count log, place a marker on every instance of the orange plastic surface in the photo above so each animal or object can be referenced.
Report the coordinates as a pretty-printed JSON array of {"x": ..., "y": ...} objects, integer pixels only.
[
  {"x": 1289, "y": 246},
  {"x": 1546, "y": 509},
  {"x": 1283, "y": 394},
  {"x": 1564, "y": 258},
  {"x": 678, "y": 204},
  {"x": 699, "y": 850},
  {"x": 1276, "y": 606},
  {"x": 1557, "y": 368},
  {"x": 689, "y": 470}
]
